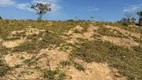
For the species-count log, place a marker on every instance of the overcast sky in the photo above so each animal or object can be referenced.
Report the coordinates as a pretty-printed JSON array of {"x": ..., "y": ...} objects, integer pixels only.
[{"x": 104, "y": 10}]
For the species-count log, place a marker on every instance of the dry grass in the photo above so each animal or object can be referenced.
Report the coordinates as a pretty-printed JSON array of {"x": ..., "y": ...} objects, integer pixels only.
[
  {"x": 47, "y": 37},
  {"x": 127, "y": 61}
]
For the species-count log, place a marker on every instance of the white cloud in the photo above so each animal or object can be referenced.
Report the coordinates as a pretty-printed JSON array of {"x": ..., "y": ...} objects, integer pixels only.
[
  {"x": 93, "y": 9},
  {"x": 55, "y": 7},
  {"x": 5, "y": 3},
  {"x": 45, "y": 1},
  {"x": 89, "y": 8},
  {"x": 24, "y": 6},
  {"x": 131, "y": 8}
]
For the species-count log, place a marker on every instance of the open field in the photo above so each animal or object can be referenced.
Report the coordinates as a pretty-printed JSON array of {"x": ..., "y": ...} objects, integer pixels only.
[{"x": 69, "y": 50}]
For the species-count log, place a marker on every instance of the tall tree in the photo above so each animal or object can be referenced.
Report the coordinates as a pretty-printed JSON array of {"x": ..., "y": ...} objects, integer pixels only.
[
  {"x": 123, "y": 20},
  {"x": 41, "y": 9},
  {"x": 128, "y": 15},
  {"x": 140, "y": 21},
  {"x": 140, "y": 17},
  {"x": 0, "y": 17},
  {"x": 76, "y": 18},
  {"x": 139, "y": 14},
  {"x": 92, "y": 18},
  {"x": 133, "y": 20}
]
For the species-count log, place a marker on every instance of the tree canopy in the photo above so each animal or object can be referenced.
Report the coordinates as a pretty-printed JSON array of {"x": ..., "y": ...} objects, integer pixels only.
[
  {"x": 41, "y": 9},
  {"x": 0, "y": 17},
  {"x": 140, "y": 17},
  {"x": 139, "y": 14}
]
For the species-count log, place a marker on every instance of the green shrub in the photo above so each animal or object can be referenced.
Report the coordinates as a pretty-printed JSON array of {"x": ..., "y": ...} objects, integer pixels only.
[
  {"x": 110, "y": 32},
  {"x": 79, "y": 66},
  {"x": 47, "y": 41},
  {"x": 70, "y": 20},
  {"x": 125, "y": 24},
  {"x": 65, "y": 63},
  {"x": 3, "y": 68},
  {"x": 53, "y": 75}
]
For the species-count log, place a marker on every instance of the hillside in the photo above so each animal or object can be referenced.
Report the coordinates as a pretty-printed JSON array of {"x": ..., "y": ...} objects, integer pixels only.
[{"x": 69, "y": 50}]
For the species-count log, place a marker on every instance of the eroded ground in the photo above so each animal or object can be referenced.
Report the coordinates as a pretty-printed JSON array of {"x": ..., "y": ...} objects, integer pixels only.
[{"x": 55, "y": 53}]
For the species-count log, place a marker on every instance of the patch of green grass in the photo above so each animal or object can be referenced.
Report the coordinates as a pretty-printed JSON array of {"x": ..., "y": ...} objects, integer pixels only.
[
  {"x": 64, "y": 47},
  {"x": 27, "y": 46},
  {"x": 82, "y": 39},
  {"x": 129, "y": 27},
  {"x": 65, "y": 63},
  {"x": 16, "y": 36},
  {"x": 99, "y": 23},
  {"x": 31, "y": 61},
  {"x": 78, "y": 66},
  {"x": 8, "y": 26},
  {"x": 3, "y": 50},
  {"x": 96, "y": 36},
  {"x": 3, "y": 68},
  {"x": 110, "y": 32},
  {"x": 59, "y": 27},
  {"x": 125, "y": 24},
  {"x": 127, "y": 61},
  {"x": 53, "y": 75},
  {"x": 85, "y": 25},
  {"x": 138, "y": 49},
  {"x": 78, "y": 31},
  {"x": 137, "y": 39},
  {"x": 47, "y": 40},
  {"x": 12, "y": 39}
]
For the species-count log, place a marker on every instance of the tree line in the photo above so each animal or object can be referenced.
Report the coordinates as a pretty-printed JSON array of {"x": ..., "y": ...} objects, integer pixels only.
[{"x": 130, "y": 19}]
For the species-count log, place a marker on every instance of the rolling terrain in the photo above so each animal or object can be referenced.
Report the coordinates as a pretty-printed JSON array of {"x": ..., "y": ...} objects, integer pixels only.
[{"x": 69, "y": 50}]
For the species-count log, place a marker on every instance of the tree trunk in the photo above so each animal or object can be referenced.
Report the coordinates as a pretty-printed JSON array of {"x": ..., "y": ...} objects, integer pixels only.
[{"x": 39, "y": 18}]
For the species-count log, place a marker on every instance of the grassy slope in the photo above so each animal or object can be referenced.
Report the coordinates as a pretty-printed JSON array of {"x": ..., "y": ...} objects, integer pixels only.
[{"x": 127, "y": 60}]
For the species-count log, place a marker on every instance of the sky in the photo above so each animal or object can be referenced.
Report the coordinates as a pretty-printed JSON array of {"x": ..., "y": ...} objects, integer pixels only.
[{"x": 101, "y": 10}]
